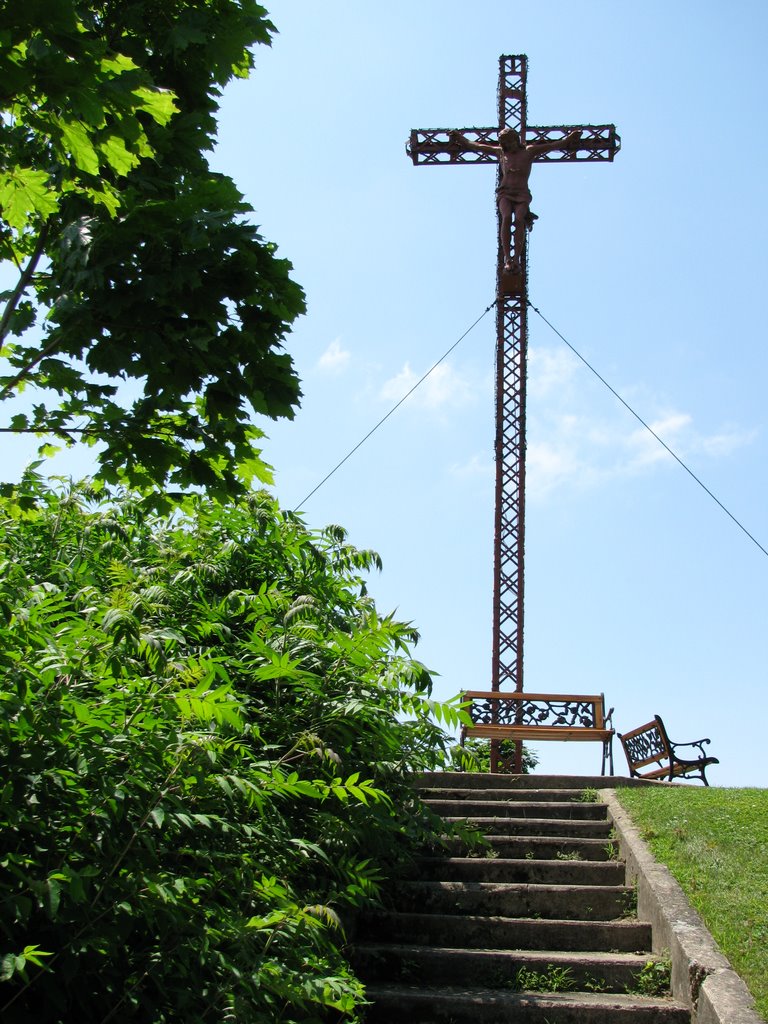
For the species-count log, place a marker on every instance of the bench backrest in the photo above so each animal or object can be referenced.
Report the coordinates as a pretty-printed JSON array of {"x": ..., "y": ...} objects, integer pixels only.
[
  {"x": 563, "y": 710},
  {"x": 648, "y": 744}
]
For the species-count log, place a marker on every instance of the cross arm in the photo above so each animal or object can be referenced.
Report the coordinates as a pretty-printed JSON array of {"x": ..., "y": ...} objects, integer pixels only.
[
  {"x": 434, "y": 146},
  {"x": 598, "y": 142}
]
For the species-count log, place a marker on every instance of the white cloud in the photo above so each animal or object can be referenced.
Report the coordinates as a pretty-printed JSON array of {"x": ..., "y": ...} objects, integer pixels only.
[
  {"x": 572, "y": 450},
  {"x": 549, "y": 370},
  {"x": 577, "y": 440},
  {"x": 444, "y": 385},
  {"x": 477, "y": 467},
  {"x": 573, "y": 445},
  {"x": 554, "y": 458},
  {"x": 719, "y": 445},
  {"x": 673, "y": 429},
  {"x": 335, "y": 358},
  {"x": 677, "y": 430}
]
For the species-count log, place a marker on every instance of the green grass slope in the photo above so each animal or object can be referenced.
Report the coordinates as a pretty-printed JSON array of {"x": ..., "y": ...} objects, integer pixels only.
[{"x": 715, "y": 843}]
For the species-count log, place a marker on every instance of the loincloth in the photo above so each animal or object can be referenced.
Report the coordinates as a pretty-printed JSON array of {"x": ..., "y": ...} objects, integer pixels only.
[{"x": 514, "y": 195}]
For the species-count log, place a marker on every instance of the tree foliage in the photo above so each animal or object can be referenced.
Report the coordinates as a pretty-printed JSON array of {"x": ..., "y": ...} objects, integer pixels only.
[
  {"x": 205, "y": 738},
  {"x": 147, "y": 314},
  {"x": 476, "y": 757}
]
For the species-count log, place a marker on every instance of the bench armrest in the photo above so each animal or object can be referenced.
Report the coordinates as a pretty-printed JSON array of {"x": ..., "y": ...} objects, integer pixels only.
[{"x": 694, "y": 743}]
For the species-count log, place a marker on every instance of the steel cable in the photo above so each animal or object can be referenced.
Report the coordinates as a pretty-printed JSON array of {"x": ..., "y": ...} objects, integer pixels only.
[
  {"x": 395, "y": 407},
  {"x": 649, "y": 429}
]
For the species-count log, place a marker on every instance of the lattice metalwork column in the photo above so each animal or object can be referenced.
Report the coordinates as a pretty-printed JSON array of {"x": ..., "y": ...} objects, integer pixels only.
[
  {"x": 438, "y": 147},
  {"x": 511, "y": 375},
  {"x": 509, "y": 533}
]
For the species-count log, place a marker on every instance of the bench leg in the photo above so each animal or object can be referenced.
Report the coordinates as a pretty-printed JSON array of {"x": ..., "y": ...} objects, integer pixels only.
[{"x": 607, "y": 755}]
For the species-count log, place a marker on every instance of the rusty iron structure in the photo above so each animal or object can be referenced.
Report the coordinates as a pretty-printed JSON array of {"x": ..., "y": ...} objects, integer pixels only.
[{"x": 436, "y": 147}]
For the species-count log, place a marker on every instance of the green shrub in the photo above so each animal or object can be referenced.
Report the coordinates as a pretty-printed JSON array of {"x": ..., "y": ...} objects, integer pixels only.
[
  {"x": 479, "y": 759},
  {"x": 205, "y": 737}
]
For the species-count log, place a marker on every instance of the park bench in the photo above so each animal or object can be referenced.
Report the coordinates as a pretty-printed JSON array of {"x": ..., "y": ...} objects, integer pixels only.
[
  {"x": 520, "y": 716},
  {"x": 652, "y": 755}
]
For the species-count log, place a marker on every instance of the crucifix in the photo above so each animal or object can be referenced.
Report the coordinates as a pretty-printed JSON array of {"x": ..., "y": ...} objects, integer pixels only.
[{"x": 547, "y": 144}]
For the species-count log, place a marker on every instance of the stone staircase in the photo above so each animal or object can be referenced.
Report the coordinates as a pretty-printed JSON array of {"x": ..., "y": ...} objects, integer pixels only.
[{"x": 537, "y": 928}]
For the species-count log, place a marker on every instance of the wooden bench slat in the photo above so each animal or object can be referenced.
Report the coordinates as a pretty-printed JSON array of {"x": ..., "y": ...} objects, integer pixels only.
[
  {"x": 654, "y": 760},
  {"x": 540, "y": 732},
  {"x": 588, "y": 698}
]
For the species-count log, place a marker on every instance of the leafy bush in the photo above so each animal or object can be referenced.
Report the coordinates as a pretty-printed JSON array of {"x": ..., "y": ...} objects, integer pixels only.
[
  {"x": 205, "y": 740},
  {"x": 479, "y": 757}
]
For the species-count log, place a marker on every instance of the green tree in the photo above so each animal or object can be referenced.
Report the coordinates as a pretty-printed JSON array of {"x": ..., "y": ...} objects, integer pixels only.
[
  {"x": 479, "y": 756},
  {"x": 147, "y": 314},
  {"x": 206, "y": 738}
]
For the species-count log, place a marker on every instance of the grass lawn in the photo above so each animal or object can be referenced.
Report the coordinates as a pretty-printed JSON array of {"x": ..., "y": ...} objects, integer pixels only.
[{"x": 715, "y": 843}]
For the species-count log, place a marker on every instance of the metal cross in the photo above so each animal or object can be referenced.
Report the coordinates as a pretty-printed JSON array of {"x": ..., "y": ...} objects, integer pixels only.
[{"x": 435, "y": 146}]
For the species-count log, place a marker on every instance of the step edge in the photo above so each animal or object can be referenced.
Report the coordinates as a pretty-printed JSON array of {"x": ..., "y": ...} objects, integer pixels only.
[{"x": 453, "y": 993}]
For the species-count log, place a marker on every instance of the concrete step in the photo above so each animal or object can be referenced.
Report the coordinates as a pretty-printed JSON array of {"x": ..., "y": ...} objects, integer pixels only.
[
  {"x": 543, "y": 847},
  {"x": 417, "y": 1004},
  {"x": 473, "y": 931},
  {"x": 546, "y": 872},
  {"x": 571, "y": 902},
  {"x": 548, "y": 909},
  {"x": 486, "y": 780},
  {"x": 498, "y": 968},
  {"x": 487, "y": 793},
  {"x": 574, "y": 828},
  {"x": 562, "y": 810}
]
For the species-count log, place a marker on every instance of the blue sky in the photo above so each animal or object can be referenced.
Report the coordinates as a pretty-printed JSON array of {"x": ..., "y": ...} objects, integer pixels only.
[{"x": 637, "y": 584}]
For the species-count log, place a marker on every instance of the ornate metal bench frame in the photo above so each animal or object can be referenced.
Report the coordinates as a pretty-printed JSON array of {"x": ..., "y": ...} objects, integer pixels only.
[
  {"x": 648, "y": 746},
  {"x": 540, "y": 716}
]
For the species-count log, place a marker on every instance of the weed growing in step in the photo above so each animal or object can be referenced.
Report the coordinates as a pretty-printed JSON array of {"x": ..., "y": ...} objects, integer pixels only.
[
  {"x": 595, "y": 985},
  {"x": 611, "y": 850},
  {"x": 654, "y": 979},
  {"x": 568, "y": 855},
  {"x": 554, "y": 979},
  {"x": 471, "y": 839},
  {"x": 630, "y": 903},
  {"x": 409, "y": 969}
]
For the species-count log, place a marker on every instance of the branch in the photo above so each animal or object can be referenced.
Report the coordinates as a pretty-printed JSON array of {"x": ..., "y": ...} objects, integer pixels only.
[
  {"x": 26, "y": 370},
  {"x": 23, "y": 282},
  {"x": 10, "y": 307},
  {"x": 43, "y": 429}
]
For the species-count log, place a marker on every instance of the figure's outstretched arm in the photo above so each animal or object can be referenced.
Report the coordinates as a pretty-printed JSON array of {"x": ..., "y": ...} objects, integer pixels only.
[
  {"x": 480, "y": 147},
  {"x": 568, "y": 142}
]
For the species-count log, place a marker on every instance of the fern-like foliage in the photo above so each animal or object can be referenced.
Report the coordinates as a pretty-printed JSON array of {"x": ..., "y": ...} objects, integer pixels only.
[{"x": 206, "y": 733}]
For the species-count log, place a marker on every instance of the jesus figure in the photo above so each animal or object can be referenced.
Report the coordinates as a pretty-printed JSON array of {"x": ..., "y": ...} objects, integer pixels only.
[{"x": 513, "y": 195}]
